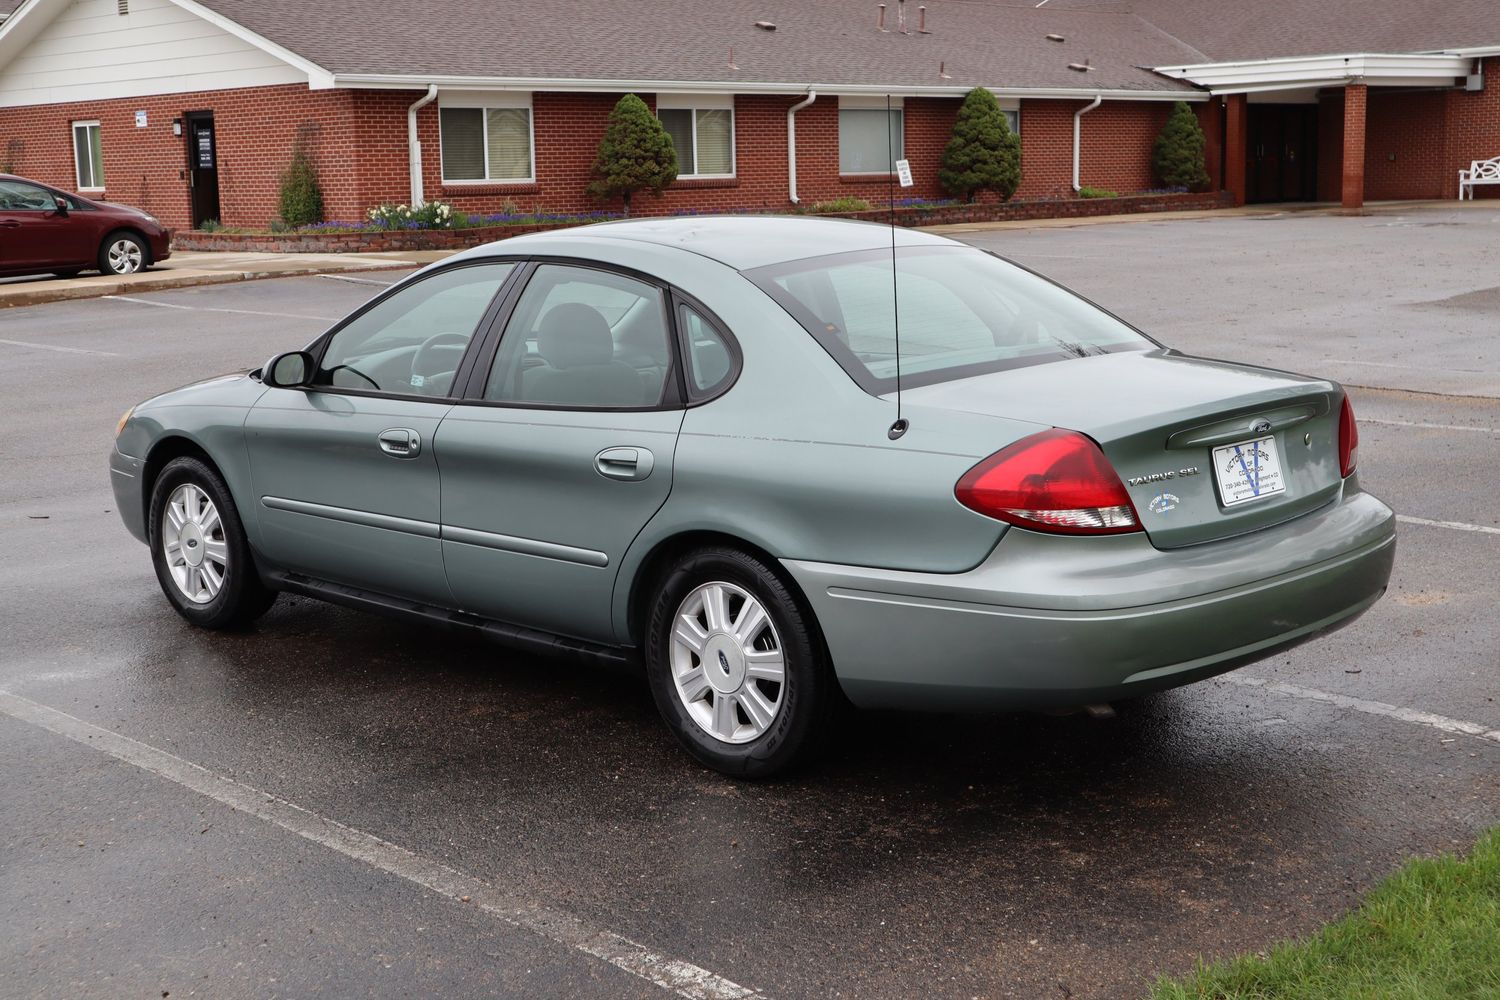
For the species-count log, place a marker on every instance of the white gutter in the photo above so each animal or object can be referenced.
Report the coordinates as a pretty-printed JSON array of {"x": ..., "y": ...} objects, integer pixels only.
[
  {"x": 414, "y": 145},
  {"x": 380, "y": 81},
  {"x": 791, "y": 142},
  {"x": 1375, "y": 69},
  {"x": 1078, "y": 134}
]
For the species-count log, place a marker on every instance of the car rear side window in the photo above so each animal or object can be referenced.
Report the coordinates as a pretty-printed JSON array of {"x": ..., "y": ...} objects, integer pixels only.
[
  {"x": 708, "y": 354},
  {"x": 412, "y": 341},
  {"x": 962, "y": 312},
  {"x": 585, "y": 339}
]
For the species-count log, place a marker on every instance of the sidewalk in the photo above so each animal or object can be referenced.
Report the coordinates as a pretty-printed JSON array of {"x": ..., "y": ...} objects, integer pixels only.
[{"x": 184, "y": 270}]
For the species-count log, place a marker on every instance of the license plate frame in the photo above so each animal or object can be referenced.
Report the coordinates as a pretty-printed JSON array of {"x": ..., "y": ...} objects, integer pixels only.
[{"x": 1247, "y": 471}]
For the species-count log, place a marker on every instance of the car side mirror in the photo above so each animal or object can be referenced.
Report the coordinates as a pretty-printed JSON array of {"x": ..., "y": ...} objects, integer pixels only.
[
  {"x": 291, "y": 370},
  {"x": 61, "y": 204}
]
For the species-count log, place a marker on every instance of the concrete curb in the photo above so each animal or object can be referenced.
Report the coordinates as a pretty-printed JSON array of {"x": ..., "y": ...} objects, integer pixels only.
[{"x": 15, "y": 296}]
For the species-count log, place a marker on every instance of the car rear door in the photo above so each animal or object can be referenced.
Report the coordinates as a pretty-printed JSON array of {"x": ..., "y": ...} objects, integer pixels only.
[
  {"x": 562, "y": 450},
  {"x": 345, "y": 471}
]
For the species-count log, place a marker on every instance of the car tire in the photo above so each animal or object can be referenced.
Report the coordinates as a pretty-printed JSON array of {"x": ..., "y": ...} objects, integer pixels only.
[
  {"x": 717, "y": 717},
  {"x": 198, "y": 546},
  {"x": 123, "y": 253}
]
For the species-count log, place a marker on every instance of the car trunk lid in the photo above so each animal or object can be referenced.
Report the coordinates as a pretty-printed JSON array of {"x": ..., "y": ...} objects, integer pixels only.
[{"x": 1198, "y": 443}]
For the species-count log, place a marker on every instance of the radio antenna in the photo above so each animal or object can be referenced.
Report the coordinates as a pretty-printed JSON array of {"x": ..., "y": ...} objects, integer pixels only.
[{"x": 899, "y": 427}]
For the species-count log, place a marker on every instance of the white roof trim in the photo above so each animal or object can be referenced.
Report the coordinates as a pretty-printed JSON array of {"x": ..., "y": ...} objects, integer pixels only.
[
  {"x": 379, "y": 81},
  {"x": 318, "y": 78},
  {"x": 33, "y": 16},
  {"x": 1375, "y": 69}
]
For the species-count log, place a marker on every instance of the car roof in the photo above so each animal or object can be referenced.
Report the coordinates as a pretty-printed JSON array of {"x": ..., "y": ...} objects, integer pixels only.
[{"x": 742, "y": 242}]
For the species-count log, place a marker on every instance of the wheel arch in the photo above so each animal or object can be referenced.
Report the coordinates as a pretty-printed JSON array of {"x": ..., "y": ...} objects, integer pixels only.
[
  {"x": 665, "y": 551},
  {"x": 163, "y": 451}
]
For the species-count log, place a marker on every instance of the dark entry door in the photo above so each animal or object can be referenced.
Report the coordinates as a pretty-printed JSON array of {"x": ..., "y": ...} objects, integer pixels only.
[
  {"x": 1282, "y": 152},
  {"x": 203, "y": 166}
]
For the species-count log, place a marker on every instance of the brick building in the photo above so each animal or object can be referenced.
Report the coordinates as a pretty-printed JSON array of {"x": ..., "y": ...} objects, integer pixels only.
[{"x": 190, "y": 109}]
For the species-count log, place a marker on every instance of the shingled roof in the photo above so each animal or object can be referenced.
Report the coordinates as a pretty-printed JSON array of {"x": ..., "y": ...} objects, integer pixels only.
[
  {"x": 827, "y": 42},
  {"x": 1266, "y": 29}
]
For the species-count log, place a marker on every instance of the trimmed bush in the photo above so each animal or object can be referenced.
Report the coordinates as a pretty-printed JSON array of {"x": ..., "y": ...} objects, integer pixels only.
[
  {"x": 1088, "y": 192},
  {"x": 845, "y": 204},
  {"x": 301, "y": 198},
  {"x": 635, "y": 154},
  {"x": 983, "y": 154},
  {"x": 1177, "y": 155}
]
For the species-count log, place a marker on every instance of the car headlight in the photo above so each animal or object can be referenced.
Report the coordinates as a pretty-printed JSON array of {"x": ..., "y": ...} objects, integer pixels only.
[{"x": 124, "y": 418}]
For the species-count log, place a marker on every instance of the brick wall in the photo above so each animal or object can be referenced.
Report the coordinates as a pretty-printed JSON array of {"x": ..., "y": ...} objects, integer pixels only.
[
  {"x": 1415, "y": 142},
  {"x": 147, "y": 167},
  {"x": 358, "y": 142}
]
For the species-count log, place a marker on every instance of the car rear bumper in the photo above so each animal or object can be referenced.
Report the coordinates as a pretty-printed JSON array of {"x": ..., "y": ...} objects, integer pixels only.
[
  {"x": 125, "y": 478},
  {"x": 1049, "y": 620}
]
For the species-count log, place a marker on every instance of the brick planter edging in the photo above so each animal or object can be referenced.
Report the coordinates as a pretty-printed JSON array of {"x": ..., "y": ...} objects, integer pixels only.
[{"x": 458, "y": 239}]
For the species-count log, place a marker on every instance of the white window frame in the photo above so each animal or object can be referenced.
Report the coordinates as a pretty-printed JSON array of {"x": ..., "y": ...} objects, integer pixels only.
[
  {"x": 78, "y": 166},
  {"x": 484, "y": 101},
  {"x": 871, "y": 104},
  {"x": 703, "y": 102},
  {"x": 1012, "y": 108}
]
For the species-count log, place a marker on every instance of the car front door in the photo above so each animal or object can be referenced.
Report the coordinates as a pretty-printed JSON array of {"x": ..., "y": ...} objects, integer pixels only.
[
  {"x": 33, "y": 233},
  {"x": 345, "y": 470},
  {"x": 562, "y": 452}
]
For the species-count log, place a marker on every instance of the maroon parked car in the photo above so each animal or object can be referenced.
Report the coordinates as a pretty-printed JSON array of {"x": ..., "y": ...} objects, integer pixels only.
[{"x": 47, "y": 231}]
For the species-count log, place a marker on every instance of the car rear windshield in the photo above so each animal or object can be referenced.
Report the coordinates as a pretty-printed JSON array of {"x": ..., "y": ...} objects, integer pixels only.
[{"x": 963, "y": 312}]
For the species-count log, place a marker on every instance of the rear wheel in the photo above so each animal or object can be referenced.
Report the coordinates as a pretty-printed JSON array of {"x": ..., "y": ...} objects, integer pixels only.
[
  {"x": 123, "y": 253},
  {"x": 736, "y": 666},
  {"x": 199, "y": 549}
]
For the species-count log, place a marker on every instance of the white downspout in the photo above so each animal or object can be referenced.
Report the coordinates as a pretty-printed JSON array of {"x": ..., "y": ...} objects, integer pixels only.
[
  {"x": 1078, "y": 133},
  {"x": 414, "y": 145},
  {"x": 791, "y": 142}
]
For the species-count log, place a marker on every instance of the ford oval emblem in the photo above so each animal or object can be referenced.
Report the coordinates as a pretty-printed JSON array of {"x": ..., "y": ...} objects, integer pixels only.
[
  {"x": 1261, "y": 426},
  {"x": 723, "y": 662}
]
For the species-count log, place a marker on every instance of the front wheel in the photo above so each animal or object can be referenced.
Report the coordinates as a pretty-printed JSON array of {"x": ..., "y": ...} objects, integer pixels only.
[
  {"x": 123, "y": 253},
  {"x": 736, "y": 665},
  {"x": 199, "y": 549}
]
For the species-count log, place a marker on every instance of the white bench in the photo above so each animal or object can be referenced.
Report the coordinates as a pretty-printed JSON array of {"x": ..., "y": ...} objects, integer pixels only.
[{"x": 1479, "y": 172}]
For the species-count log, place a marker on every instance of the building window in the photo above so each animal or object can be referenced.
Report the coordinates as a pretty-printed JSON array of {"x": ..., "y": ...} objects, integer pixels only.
[
  {"x": 703, "y": 139},
  {"x": 486, "y": 144},
  {"x": 1013, "y": 119},
  {"x": 88, "y": 156},
  {"x": 871, "y": 140}
]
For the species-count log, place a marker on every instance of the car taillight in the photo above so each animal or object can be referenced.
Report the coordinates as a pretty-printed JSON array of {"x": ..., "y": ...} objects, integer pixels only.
[
  {"x": 1348, "y": 440},
  {"x": 1057, "y": 481}
]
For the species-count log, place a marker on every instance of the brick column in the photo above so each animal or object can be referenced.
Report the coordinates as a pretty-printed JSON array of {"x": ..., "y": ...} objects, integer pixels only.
[
  {"x": 1236, "y": 143},
  {"x": 1354, "y": 147}
]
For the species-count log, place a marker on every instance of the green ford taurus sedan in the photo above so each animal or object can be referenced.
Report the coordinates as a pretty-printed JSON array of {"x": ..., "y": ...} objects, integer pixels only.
[{"x": 708, "y": 446}]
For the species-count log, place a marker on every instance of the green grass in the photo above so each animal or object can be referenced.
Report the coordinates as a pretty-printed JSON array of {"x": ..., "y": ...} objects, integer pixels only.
[{"x": 1429, "y": 932}]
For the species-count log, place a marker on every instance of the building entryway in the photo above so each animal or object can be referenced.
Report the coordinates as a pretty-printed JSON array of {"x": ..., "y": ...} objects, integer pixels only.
[
  {"x": 203, "y": 166},
  {"x": 1282, "y": 152}
]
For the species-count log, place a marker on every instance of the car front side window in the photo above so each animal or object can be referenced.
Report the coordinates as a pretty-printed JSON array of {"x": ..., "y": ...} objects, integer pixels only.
[
  {"x": 411, "y": 342},
  {"x": 16, "y": 196}
]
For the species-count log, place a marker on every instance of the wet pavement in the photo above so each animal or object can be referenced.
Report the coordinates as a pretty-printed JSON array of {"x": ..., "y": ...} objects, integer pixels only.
[{"x": 1017, "y": 856}]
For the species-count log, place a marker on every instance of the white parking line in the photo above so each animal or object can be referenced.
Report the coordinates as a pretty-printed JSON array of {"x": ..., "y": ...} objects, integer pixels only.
[
  {"x": 55, "y": 347},
  {"x": 1412, "y": 715},
  {"x": 213, "y": 309},
  {"x": 681, "y": 978},
  {"x": 358, "y": 281},
  {"x": 1431, "y": 427},
  {"x": 1452, "y": 525}
]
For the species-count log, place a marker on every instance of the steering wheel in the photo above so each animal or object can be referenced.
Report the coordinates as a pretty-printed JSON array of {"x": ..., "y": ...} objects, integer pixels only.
[{"x": 420, "y": 360}]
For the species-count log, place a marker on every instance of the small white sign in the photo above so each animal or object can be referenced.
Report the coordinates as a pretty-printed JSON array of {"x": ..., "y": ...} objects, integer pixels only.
[
  {"x": 903, "y": 173},
  {"x": 140, "y": 119}
]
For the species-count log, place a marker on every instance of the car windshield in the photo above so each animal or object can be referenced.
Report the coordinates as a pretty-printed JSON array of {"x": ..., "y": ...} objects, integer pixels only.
[{"x": 963, "y": 312}]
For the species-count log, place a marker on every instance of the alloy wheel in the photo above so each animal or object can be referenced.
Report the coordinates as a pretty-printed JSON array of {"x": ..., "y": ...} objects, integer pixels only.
[
  {"x": 125, "y": 256},
  {"x": 192, "y": 538},
  {"x": 728, "y": 666}
]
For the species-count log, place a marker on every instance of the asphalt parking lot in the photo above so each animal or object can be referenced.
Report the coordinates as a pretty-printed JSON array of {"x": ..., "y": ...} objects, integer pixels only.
[{"x": 334, "y": 805}]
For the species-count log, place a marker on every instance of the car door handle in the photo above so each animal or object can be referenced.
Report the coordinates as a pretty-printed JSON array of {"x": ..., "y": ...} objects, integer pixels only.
[
  {"x": 401, "y": 442},
  {"x": 11, "y": 224},
  {"x": 624, "y": 463}
]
